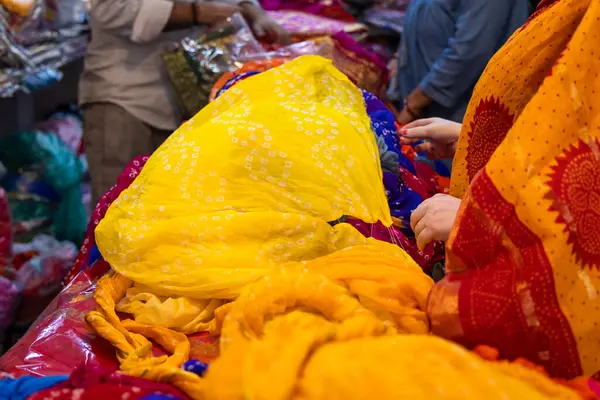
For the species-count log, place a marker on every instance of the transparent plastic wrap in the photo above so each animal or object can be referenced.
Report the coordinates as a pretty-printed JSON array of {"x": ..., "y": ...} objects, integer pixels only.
[
  {"x": 59, "y": 340},
  {"x": 60, "y": 168},
  {"x": 25, "y": 19},
  {"x": 260, "y": 62},
  {"x": 195, "y": 63},
  {"x": 319, "y": 46}
]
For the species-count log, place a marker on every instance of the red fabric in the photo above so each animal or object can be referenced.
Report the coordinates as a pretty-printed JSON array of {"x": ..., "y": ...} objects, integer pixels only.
[
  {"x": 125, "y": 179},
  {"x": 489, "y": 303},
  {"x": 432, "y": 253},
  {"x": 5, "y": 231},
  {"x": 59, "y": 340},
  {"x": 91, "y": 382}
]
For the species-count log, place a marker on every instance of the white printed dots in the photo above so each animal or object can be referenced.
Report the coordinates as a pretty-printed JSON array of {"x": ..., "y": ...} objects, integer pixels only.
[{"x": 251, "y": 182}]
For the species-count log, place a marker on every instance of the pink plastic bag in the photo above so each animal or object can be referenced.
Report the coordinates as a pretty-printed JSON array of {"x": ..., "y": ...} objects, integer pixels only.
[{"x": 59, "y": 340}]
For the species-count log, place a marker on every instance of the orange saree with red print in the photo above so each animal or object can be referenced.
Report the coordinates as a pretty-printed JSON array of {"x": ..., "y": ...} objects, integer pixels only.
[{"x": 523, "y": 259}]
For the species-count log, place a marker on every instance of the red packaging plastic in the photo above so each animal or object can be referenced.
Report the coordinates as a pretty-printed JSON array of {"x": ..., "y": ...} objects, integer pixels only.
[{"x": 59, "y": 340}]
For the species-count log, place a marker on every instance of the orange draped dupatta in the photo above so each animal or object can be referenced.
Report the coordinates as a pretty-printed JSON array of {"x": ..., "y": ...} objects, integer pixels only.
[{"x": 523, "y": 259}]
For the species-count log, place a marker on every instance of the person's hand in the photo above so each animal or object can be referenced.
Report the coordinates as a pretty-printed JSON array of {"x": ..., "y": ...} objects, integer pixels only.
[
  {"x": 434, "y": 218},
  {"x": 266, "y": 28},
  {"x": 213, "y": 12},
  {"x": 441, "y": 135},
  {"x": 405, "y": 117}
]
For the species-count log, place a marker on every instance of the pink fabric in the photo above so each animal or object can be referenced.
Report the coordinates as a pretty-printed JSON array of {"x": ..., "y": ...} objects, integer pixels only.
[
  {"x": 125, "y": 179},
  {"x": 346, "y": 41},
  {"x": 364, "y": 68},
  {"x": 432, "y": 253},
  {"x": 303, "y": 24},
  {"x": 5, "y": 231},
  {"x": 325, "y": 8}
]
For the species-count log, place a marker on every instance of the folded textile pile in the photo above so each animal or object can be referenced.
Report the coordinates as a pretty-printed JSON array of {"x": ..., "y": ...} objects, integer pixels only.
[
  {"x": 36, "y": 39},
  {"x": 87, "y": 382},
  {"x": 251, "y": 248},
  {"x": 407, "y": 181}
]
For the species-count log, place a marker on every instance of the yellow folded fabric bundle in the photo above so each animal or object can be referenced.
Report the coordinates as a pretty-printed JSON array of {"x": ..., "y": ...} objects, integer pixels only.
[
  {"x": 227, "y": 230},
  {"x": 249, "y": 183},
  {"x": 302, "y": 332}
]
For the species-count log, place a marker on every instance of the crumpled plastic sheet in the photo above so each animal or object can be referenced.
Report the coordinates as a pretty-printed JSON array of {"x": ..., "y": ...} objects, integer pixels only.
[
  {"x": 60, "y": 168},
  {"x": 59, "y": 340},
  {"x": 195, "y": 63}
]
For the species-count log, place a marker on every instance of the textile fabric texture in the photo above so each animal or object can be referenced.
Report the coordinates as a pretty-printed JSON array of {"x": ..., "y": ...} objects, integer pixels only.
[{"x": 524, "y": 255}]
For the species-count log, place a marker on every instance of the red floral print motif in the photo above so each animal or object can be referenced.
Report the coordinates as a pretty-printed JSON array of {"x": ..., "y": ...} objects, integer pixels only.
[
  {"x": 507, "y": 284},
  {"x": 575, "y": 193},
  {"x": 489, "y": 126}
]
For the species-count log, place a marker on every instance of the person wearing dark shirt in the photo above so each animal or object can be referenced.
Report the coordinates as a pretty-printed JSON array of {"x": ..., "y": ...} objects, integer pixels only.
[{"x": 445, "y": 47}]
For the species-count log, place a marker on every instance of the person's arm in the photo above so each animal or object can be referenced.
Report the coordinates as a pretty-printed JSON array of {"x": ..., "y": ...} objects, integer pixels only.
[
  {"x": 262, "y": 25},
  {"x": 478, "y": 29},
  {"x": 141, "y": 20}
]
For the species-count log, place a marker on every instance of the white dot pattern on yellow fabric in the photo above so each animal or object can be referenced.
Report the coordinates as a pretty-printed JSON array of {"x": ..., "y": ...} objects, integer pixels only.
[{"x": 251, "y": 181}]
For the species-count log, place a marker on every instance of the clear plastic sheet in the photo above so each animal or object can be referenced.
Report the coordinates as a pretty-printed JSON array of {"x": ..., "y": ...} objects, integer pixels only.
[
  {"x": 59, "y": 340},
  {"x": 322, "y": 47},
  {"x": 60, "y": 168},
  {"x": 195, "y": 63},
  {"x": 36, "y": 40}
]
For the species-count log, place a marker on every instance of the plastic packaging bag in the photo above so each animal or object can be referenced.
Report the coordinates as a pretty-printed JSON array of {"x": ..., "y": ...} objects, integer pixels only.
[
  {"x": 60, "y": 168},
  {"x": 59, "y": 340},
  {"x": 195, "y": 63},
  {"x": 319, "y": 46}
]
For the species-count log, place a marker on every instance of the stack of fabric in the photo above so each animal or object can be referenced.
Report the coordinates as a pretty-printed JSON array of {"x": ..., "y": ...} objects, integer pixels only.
[
  {"x": 269, "y": 265},
  {"x": 42, "y": 218},
  {"x": 36, "y": 39},
  {"x": 238, "y": 226}
]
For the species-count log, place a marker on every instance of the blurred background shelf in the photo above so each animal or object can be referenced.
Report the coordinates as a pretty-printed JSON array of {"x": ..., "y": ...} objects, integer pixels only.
[{"x": 22, "y": 110}]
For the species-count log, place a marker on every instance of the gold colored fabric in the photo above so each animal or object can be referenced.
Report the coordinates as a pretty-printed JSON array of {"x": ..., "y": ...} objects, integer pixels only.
[
  {"x": 235, "y": 206},
  {"x": 249, "y": 183},
  {"x": 309, "y": 331}
]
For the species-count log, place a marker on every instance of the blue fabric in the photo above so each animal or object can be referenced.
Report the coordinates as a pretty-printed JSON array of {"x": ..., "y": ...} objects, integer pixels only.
[
  {"x": 446, "y": 45},
  {"x": 21, "y": 388},
  {"x": 197, "y": 367},
  {"x": 235, "y": 80},
  {"x": 94, "y": 255},
  {"x": 155, "y": 396},
  {"x": 402, "y": 199},
  {"x": 383, "y": 122}
]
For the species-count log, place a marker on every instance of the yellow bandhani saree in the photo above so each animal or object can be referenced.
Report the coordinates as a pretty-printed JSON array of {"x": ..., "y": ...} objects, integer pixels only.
[
  {"x": 523, "y": 260},
  {"x": 227, "y": 230}
]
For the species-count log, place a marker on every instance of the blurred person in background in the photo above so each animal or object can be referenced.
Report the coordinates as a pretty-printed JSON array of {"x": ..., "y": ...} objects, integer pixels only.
[
  {"x": 445, "y": 47},
  {"x": 129, "y": 105}
]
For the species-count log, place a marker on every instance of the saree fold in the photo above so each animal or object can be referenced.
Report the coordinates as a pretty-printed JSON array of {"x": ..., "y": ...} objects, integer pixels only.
[
  {"x": 230, "y": 227},
  {"x": 524, "y": 255},
  {"x": 235, "y": 191}
]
